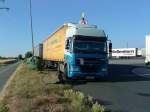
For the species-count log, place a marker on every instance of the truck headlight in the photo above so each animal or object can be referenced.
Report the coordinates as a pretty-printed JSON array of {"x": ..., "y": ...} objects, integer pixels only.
[{"x": 74, "y": 68}]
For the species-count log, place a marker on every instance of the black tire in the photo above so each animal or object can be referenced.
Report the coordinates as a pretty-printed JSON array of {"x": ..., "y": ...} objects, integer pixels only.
[
  {"x": 66, "y": 73},
  {"x": 63, "y": 77},
  {"x": 60, "y": 77},
  {"x": 147, "y": 63},
  {"x": 97, "y": 78}
]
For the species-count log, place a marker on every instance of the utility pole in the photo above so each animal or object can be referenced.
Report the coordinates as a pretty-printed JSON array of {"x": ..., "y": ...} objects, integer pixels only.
[
  {"x": 3, "y": 8},
  {"x": 31, "y": 25}
]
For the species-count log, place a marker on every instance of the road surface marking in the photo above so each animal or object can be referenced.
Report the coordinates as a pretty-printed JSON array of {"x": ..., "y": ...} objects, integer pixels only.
[{"x": 141, "y": 71}]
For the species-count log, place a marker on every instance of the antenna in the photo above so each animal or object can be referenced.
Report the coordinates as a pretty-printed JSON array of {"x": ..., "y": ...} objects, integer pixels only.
[
  {"x": 83, "y": 20},
  {"x": 83, "y": 15}
]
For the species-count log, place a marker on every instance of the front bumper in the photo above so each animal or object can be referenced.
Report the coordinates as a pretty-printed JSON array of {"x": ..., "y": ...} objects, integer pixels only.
[{"x": 84, "y": 75}]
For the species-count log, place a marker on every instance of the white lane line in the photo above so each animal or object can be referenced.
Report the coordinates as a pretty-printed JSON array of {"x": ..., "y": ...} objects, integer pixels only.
[
  {"x": 127, "y": 75},
  {"x": 141, "y": 71},
  {"x": 144, "y": 75}
]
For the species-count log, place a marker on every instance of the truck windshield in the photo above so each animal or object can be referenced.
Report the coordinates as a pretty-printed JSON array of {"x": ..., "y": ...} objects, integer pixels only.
[{"x": 92, "y": 46}]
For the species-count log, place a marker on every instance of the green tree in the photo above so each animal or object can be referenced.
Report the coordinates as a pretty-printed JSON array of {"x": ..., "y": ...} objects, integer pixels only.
[
  {"x": 20, "y": 57},
  {"x": 28, "y": 54}
]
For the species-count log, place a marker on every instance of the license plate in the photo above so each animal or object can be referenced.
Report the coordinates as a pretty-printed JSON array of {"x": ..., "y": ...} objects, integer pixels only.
[{"x": 90, "y": 77}]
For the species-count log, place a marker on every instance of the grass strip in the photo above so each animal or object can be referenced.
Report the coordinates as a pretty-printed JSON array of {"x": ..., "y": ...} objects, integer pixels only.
[{"x": 35, "y": 91}]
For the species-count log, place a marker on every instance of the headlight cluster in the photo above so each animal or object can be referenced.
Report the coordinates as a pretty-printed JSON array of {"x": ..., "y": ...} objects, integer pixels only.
[
  {"x": 104, "y": 69},
  {"x": 74, "y": 69}
]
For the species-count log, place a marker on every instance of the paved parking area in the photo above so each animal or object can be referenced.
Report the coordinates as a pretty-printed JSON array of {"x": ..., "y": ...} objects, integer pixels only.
[{"x": 126, "y": 90}]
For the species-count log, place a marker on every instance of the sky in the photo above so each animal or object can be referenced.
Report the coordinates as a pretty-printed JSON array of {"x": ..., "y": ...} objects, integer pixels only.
[{"x": 124, "y": 21}]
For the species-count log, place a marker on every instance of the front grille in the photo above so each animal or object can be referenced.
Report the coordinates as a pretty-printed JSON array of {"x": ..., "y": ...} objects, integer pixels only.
[
  {"x": 89, "y": 69},
  {"x": 89, "y": 61}
]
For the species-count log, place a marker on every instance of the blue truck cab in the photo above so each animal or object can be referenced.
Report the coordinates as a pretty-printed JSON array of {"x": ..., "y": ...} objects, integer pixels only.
[{"x": 85, "y": 52}]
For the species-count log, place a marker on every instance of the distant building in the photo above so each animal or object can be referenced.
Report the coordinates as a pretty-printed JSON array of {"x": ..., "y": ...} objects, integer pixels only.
[
  {"x": 141, "y": 52},
  {"x": 124, "y": 52},
  {"x": 128, "y": 52}
]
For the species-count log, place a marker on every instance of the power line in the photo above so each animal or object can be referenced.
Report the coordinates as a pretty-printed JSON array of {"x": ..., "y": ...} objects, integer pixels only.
[
  {"x": 2, "y": 0},
  {"x": 4, "y": 8}
]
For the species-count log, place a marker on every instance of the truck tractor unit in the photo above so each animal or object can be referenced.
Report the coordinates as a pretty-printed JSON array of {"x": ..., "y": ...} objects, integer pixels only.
[{"x": 78, "y": 51}]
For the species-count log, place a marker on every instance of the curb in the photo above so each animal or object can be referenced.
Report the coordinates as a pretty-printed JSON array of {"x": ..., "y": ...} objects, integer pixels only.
[{"x": 2, "y": 93}]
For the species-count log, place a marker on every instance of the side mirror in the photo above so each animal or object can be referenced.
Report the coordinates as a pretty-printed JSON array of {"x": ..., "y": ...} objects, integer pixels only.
[
  {"x": 110, "y": 47},
  {"x": 67, "y": 44}
]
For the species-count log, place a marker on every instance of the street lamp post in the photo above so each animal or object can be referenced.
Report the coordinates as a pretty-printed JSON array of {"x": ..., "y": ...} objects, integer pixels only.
[{"x": 31, "y": 25}]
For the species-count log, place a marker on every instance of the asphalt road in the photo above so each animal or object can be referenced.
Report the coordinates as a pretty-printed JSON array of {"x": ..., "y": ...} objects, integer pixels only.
[
  {"x": 126, "y": 90},
  {"x": 6, "y": 72}
]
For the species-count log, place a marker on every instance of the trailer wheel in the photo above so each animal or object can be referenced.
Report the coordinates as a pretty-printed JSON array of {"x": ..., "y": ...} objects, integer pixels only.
[{"x": 60, "y": 77}]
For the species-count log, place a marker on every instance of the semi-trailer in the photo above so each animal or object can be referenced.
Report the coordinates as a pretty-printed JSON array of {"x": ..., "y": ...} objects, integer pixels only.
[
  {"x": 77, "y": 50},
  {"x": 38, "y": 50},
  {"x": 147, "y": 49}
]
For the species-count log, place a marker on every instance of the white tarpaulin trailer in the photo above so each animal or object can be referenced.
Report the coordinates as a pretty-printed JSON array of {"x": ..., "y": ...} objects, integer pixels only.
[
  {"x": 124, "y": 52},
  {"x": 147, "y": 47},
  {"x": 38, "y": 50}
]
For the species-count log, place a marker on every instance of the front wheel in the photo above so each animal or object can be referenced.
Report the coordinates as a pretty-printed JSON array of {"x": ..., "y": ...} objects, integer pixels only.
[
  {"x": 66, "y": 73},
  {"x": 63, "y": 76}
]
